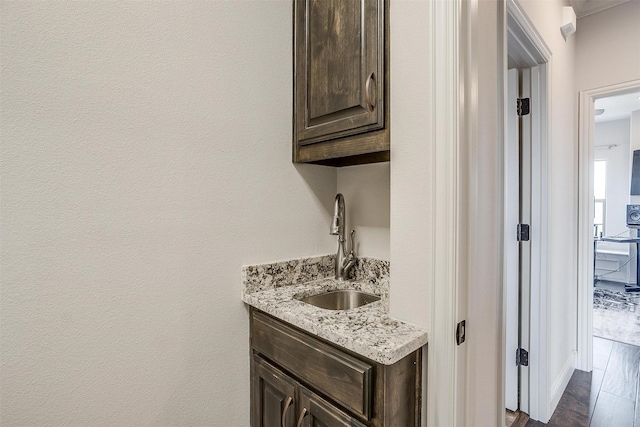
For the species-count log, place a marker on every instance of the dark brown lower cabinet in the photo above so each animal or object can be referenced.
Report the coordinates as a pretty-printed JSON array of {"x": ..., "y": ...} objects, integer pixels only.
[
  {"x": 273, "y": 396},
  {"x": 318, "y": 412},
  {"x": 279, "y": 401},
  {"x": 298, "y": 380}
]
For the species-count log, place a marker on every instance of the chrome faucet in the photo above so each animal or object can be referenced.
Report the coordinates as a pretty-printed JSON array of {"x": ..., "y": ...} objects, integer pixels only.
[{"x": 345, "y": 260}]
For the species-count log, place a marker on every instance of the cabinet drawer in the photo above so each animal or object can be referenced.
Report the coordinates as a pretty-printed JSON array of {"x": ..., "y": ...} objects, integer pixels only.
[{"x": 337, "y": 375}]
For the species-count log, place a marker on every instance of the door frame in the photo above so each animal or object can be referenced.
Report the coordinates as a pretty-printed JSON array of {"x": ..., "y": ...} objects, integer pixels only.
[
  {"x": 468, "y": 148},
  {"x": 527, "y": 47},
  {"x": 586, "y": 128},
  {"x": 511, "y": 256}
]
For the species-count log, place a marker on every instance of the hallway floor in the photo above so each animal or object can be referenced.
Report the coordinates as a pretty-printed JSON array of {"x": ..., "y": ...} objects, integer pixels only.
[{"x": 607, "y": 397}]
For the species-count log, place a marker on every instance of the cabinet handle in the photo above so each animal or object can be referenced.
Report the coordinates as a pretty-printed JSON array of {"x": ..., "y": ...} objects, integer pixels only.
[
  {"x": 286, "y": 408},
  {"x": 302, "y": 415},
  {"x": 367, "y": 91}
]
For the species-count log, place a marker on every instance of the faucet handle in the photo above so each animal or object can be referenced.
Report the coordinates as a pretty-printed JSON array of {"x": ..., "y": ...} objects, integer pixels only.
[{"x": 351, "y": 243}]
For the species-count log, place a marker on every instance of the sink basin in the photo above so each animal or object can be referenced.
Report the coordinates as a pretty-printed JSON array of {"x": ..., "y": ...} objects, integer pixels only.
[{"x": 341, "y": 300}]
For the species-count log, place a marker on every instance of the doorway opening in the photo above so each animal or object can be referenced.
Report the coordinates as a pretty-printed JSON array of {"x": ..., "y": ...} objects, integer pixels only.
[
  {"x": 616, "y": 293},
  {"x": 527, "y": 388},
  {"x": 517, "y": 258},
  {"x": 607, "y": 243}
]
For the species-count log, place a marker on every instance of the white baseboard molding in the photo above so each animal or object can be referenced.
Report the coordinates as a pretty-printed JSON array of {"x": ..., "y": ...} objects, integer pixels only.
[{"x": 560, "y": 384}]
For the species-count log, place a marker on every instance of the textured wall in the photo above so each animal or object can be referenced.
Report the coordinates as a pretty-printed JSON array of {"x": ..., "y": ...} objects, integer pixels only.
[
  {"x": 618, "y": 159},
  {"x": 607, "y": 47},
  {"x": 145, "y": 157},
  {"x": 366, "y": 189},
  {"x": 411, "y": 178},
  {"x": 618, "y": 178}
]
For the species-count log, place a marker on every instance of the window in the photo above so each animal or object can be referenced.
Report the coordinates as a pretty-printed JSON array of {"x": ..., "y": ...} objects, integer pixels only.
[{"x": 600, "y": 197}]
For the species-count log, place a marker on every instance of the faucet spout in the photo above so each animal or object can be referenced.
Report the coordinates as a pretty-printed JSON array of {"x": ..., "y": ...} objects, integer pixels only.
[
  {"x": 337, "y": 225},
  {"x": 345, "y": 257}
]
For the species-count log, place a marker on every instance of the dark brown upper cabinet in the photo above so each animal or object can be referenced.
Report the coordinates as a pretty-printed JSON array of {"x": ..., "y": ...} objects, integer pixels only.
[{"x": 341, "y": 88}]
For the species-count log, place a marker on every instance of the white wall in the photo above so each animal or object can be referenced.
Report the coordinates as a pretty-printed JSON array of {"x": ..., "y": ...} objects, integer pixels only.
[
  {"x": 607, "y": 47},
  {"x": 618, "y": 173},
  {"x": 634, "y": 144},
  {"x": 145, "y": 157},
  {"x": 366, "y": 190},
  {"x": 634, "y": 132},
  {"x": 612, "y": 256},
  {"x": 411, "y": 153},
  {"x": 410, "y": 174}
]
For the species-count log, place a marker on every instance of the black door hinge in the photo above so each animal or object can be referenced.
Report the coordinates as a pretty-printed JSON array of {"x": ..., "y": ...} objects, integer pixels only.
[
  {"x": 460, "y": 332},
  {"x": 522, "y": 357},
  {"x": 523, "y": 232},
  {"x": 523, "y": 106}
]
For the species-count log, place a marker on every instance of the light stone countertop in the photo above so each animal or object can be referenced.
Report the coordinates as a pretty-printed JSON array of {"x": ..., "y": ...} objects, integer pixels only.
[{"x": 367, "y": 330}]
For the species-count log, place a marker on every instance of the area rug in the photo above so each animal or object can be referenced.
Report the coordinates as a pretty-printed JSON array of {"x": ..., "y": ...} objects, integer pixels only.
[{"x": 616, "y": 315}]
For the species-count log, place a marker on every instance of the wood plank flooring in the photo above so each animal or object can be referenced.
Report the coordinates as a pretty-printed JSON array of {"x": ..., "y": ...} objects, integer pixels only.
[{"x": 607, "y": 397}]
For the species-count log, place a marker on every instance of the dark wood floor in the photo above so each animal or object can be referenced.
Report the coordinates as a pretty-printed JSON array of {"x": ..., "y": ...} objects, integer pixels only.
[{"x": 607, "y": 397}]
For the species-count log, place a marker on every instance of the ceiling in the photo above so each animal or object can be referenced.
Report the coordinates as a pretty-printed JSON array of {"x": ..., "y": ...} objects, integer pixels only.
[
  {"x": 617, "y": 107},
  {"x": 584, "y": 8}
]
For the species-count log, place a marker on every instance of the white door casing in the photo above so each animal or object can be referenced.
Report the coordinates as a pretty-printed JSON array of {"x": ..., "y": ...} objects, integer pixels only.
[
  {"x": 464, "y": 138},
  {"x": 526, "y": 202},
  {"x": 529, "y": 50},
  {"x": 586, "y": 126},
  {"x": 512, "y": 196}
]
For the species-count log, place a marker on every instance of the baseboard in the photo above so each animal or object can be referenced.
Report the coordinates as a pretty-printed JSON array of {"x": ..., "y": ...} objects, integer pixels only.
[{"x": 560, "y": 384}]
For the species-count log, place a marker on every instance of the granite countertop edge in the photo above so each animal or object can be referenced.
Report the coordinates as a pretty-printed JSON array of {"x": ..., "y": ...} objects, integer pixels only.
[{"x": 367, "y": 330}]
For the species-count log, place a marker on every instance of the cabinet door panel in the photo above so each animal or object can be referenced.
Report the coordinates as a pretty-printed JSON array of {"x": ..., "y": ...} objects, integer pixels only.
[
  {"x": 335, "y": 58},
  {"x": 339, "y": 64},
  {"x": 339, "y": 376},
  {"x": 273, "y": 394},
  {"x": 320, "y": 413}
]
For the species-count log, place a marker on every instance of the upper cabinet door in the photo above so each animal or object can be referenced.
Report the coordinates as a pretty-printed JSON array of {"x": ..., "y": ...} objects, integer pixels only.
[{"x": 339, "y": 68}]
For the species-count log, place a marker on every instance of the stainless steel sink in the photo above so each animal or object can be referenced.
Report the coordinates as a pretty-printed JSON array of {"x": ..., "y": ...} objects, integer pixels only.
[{"x": 341, "y": 300}]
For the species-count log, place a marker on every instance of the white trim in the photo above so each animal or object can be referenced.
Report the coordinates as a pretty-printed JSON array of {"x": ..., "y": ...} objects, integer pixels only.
[
  {"x": 540, "y": 339},
  {"x": 586, "y": 126},
  {"x": 561, "y": 383},
  {"x": 520, "y": 26},
  {"x": 531, "y": 51},
  {"x": 511, "y": 245},
  {"x": 538, "y": 391},
  {"x": 526, "y": 203},
  {"x": 468, "y": 125},
  {"x": 483, "y": 59},
  {"x": 442, "y": 407},
  {"x": 468, "y": 110}
]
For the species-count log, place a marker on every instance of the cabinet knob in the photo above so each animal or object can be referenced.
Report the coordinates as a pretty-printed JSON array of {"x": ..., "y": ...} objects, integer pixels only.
[
  {"x": 369, "y": 86},
  {"x": 286, "y": 408},
  {"x": 303, "y": 413}
]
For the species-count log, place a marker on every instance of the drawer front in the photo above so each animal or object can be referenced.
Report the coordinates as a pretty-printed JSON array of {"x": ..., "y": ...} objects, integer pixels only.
[{"x": 337, "y": 375}]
